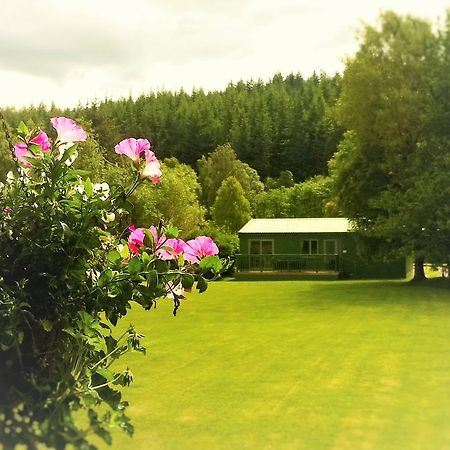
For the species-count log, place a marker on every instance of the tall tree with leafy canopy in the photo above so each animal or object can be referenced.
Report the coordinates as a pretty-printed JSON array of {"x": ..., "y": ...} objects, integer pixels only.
[
  {"x": 221, "y": 164},
  {"x": 174, "y": 200},
  {"x": 231, "y": 209},
  {"x": 389, "y": 106}
]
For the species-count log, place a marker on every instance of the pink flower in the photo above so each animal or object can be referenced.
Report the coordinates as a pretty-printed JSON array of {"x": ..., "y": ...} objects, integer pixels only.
[
  {"x": 7, "y": 210},
  {"x": 68, "y": 130},
  {"x": 21, "y": 151},
  {"x": 158, "y": 241},
  {"x": 152, "y": 167},
  {"x": 154, "y": 232},
  {"x": 133, "y": 148},
  {"x": 136, "y": 238},
  {"x": 42, "y": 140},
  {"x": 198, "y": 248},
  {"x": 176, "y": 249}
]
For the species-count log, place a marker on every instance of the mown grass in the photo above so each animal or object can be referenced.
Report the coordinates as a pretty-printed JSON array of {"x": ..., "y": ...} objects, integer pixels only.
[{"x": 294, "y": 365}]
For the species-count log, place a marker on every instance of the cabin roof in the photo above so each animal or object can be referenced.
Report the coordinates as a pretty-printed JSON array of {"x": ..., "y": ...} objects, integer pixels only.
[{"x": 297, "y": 225}]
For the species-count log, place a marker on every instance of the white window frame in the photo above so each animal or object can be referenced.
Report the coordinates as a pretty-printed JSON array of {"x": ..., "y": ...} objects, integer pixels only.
[
  {"x": 309, "y": 246},
  {"x": 260, "y": 246}
]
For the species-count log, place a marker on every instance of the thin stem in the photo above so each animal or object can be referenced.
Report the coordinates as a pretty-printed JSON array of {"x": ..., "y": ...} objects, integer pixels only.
[
  {"x": 130, "y": 191},
  {"x": 107, "y": 383},
  {"x": 110, "y": 353},
  {"x": 134, "y": 186}
]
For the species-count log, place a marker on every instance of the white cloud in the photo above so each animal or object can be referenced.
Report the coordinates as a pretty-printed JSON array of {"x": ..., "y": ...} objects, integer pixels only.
[{"x": 63, "y": 51}]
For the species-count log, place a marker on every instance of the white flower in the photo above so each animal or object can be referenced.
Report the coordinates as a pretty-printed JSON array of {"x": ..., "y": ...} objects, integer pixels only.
[
  {"x": 178, "y": 290},
  {"x": 103, "y": 189},
  {"x": 10, "y": 177},
  {"x": 108, "y": 217},
  {"x": 62, "y": 149}
]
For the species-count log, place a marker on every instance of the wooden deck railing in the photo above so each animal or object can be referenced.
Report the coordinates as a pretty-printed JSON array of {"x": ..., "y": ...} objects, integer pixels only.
[{"x": 286, "y": 263}]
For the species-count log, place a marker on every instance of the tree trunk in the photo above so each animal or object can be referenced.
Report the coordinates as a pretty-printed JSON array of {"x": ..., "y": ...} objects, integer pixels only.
[{"x": 419, "y": 272}]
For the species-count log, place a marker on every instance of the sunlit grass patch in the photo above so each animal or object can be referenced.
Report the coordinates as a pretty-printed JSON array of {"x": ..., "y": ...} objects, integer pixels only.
[{"x": 301, "y": 365}]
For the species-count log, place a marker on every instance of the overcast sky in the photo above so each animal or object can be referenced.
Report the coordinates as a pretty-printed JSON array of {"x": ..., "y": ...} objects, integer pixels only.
[{"x": 69, "y": 51}]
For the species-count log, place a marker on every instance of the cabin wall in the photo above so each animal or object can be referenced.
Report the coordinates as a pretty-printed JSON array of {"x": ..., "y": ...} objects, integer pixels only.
[
  {"x": 289, "y": 243},
  {"x": 352, "y": 261}
]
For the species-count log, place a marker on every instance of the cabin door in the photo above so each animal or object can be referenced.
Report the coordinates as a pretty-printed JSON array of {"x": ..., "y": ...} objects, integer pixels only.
[{"x": 261, "y": 252}]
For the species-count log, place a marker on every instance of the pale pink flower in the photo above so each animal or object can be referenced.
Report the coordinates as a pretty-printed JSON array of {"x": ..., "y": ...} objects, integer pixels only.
[
  {"x": 136, "y": 238},
  {"x": 176, "y": 249},
  {"x": 42, "y": 140},
  {"x": 152, "y": 167},
  {"x": 198, "y": 248},
  {"x": 133, "y": 148},
  {"x": 68, "y": 130},
  {"x": 21, "y": 151}
]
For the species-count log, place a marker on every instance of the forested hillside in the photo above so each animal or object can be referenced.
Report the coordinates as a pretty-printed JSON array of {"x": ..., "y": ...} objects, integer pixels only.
[{"x": 284, "y": 124}]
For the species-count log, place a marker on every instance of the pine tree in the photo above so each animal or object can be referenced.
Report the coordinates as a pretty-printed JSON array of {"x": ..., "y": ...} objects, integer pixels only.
[{"x": 231, "y": 209}]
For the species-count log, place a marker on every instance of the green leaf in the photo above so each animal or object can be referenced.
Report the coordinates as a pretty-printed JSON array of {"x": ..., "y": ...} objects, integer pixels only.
[
  {"x": 124, "y": 253},
  {"x": 114, "y": 256},
  {"x": 47, "y": 325},
  {"x": 88, "y": 187},
  {"x": 90, "y": 398},
  {"x": 172, "y": 232},
  {"x": 187, "y": 281},
  {"x": 161, "y": 266},
  {"x": 149, "y": 240},
  {"x": 152, "y": 278},
  {"x": 73, "y": 174},
  {"x": 98, "y": 343},
  {"x": 22, "y": 129},
  {"x": 69, "y": 153},
  {"x": 110, "y": 396},
  {"x": 66, "y": 229},
  {"x": 79, "y": 172},
  {"x": 86, "y": 318},
  {"x": 134, "y": 266},
  {"x": 202, "y": 285},
  {"x": 34, "y": 149},
  {"x": 212, "y": 263},
  {"x": 104, "y": 434},
  {"x": 106, "y": 374},
  {"x": 105, "y": 277},
  {"x": 146, "y": 259}
]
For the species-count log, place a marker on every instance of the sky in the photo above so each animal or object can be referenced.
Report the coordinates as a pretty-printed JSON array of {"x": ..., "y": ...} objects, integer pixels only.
[{"x": 78, "y": 51}]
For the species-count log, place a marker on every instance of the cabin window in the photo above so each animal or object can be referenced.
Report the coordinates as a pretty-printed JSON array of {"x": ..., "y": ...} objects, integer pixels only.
[
  {"x": 309, "y": 247},
  {"x": 261, "y": 247},
  {"x": 330, "y": 247}
]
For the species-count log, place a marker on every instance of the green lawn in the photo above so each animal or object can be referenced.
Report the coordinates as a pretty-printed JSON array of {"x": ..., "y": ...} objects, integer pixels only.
[{"x": 294, "y": 365}]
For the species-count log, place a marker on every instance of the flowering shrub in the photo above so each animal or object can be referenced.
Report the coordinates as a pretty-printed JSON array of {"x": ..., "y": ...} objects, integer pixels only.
[{"x": 68, "y": 273}]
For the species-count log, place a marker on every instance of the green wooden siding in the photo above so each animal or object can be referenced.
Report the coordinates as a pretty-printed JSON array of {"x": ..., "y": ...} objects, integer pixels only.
[
  {"x": 289, "y": 244},
  {"x": 351, "y": 261}
]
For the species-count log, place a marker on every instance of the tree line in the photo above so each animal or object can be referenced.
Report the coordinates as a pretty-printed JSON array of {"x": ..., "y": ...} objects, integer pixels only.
[
  {"x": 372, "y": 144},
  {"x": 285, "y": 123}
]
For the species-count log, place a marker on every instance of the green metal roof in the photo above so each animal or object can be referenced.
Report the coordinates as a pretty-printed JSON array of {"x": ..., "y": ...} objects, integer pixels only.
[{"x": 303, "y": 225}]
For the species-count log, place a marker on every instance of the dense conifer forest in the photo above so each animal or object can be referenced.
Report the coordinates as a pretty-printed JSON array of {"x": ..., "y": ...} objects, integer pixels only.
[{"x": 286, "y": 123}]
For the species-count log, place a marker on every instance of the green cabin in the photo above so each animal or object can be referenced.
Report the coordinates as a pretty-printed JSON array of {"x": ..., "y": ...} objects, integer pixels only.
[{"x": 325, "y": 246}]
